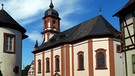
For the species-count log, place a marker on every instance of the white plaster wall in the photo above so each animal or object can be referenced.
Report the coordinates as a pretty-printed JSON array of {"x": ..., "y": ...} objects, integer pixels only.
[
  {"x": 123, "y": 64},
  {"x": 47, "y": 55},
  {"x": 129, "y": 20},
  {"x": 129, "y": 62},
  {"x": 101, "y": 43},
  {"x": 82, "y": 46},
  {"x": 38, "y": 57},
  {"x": 118, "y": 60},
  {"x": 9, "y": 61},
  {"x": 57, "y": 51}
]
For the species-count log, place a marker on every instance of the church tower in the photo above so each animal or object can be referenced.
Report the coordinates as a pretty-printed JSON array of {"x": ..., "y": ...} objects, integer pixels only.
[{"x": 51, "y": 23}]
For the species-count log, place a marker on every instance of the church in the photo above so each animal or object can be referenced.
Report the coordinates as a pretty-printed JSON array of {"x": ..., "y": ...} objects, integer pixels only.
[{"x": 91, "y": 48}]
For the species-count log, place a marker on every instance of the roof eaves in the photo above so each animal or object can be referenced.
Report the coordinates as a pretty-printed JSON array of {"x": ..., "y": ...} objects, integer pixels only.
[{"x": 130, "y": 6}]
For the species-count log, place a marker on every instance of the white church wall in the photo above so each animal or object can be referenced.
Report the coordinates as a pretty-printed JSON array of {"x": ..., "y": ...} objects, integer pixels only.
[
  {"x": 57, "y": 51},
  {"x": 81, "y": 46},
  {"x": 38, "y": 57},
  {"x": 99, "y": 43},
  {"x": 47, "y": 55}
]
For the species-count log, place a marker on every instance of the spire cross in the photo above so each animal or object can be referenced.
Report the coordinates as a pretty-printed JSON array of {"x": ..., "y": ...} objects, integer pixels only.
[
  {"x": 2, "y": 6},
  {"x": 51, "y": 4},
  {"x": 100, "y": 11}
]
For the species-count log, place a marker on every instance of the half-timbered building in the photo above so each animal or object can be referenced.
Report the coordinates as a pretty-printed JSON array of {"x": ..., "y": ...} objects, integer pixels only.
[
  {"x": 31, "y": 69},
  {"x": 127, "y": 26}
]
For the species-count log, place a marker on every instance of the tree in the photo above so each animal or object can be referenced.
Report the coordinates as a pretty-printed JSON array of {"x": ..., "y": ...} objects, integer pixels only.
[
  {"x": 25, "y": 70},
  {"x": 1, "y": 73}
]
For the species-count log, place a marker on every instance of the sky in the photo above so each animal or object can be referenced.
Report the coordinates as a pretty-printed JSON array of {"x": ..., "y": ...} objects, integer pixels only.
[{"x": 29, "y": 13}]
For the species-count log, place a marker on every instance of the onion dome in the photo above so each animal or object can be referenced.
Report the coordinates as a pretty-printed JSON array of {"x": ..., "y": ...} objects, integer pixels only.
[{"x": 51, "y": 12}]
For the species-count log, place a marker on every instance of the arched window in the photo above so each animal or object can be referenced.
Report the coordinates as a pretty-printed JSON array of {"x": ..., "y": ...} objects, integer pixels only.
[
  {"x": 49, "y": 24},
  {"x": 80, "y": 60},
  {"x": 47, "y": 65},
  {"x": 57, "y": 65},
  {"x": 101, "y": 59},
  {"x": 45, "y": 25},
  {"x": 39, "y": 66},
  {"x": 54, "y": 24}
]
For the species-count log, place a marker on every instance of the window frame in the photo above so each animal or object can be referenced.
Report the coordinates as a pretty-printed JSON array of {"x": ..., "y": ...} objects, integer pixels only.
[
  {"x": 133, "y": 63},
  {"x": 7, "y": 43},
  {"x": 103, "y": 51},
  {"x": 39, "y": 66},
  {"x": 118, "y": 48},
  {"x": 47, "y": 65},
  {"x": 80, "y": 65},
  {"x": 57, "y": 63}
]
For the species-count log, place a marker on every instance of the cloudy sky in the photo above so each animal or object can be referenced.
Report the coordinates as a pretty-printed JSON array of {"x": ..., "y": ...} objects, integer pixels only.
[{"x": 29, "y": 13}]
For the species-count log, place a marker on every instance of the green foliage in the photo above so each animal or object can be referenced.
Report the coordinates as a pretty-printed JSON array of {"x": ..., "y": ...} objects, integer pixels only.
[
  {"x": 25, "y": 70},
  {"x": 1, "y": 73}
]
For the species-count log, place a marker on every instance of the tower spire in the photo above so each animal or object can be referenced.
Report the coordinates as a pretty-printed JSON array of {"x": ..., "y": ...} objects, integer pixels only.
[
  {"x": 36, "y": 45},
  {"x": 51, "y": 4}
]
